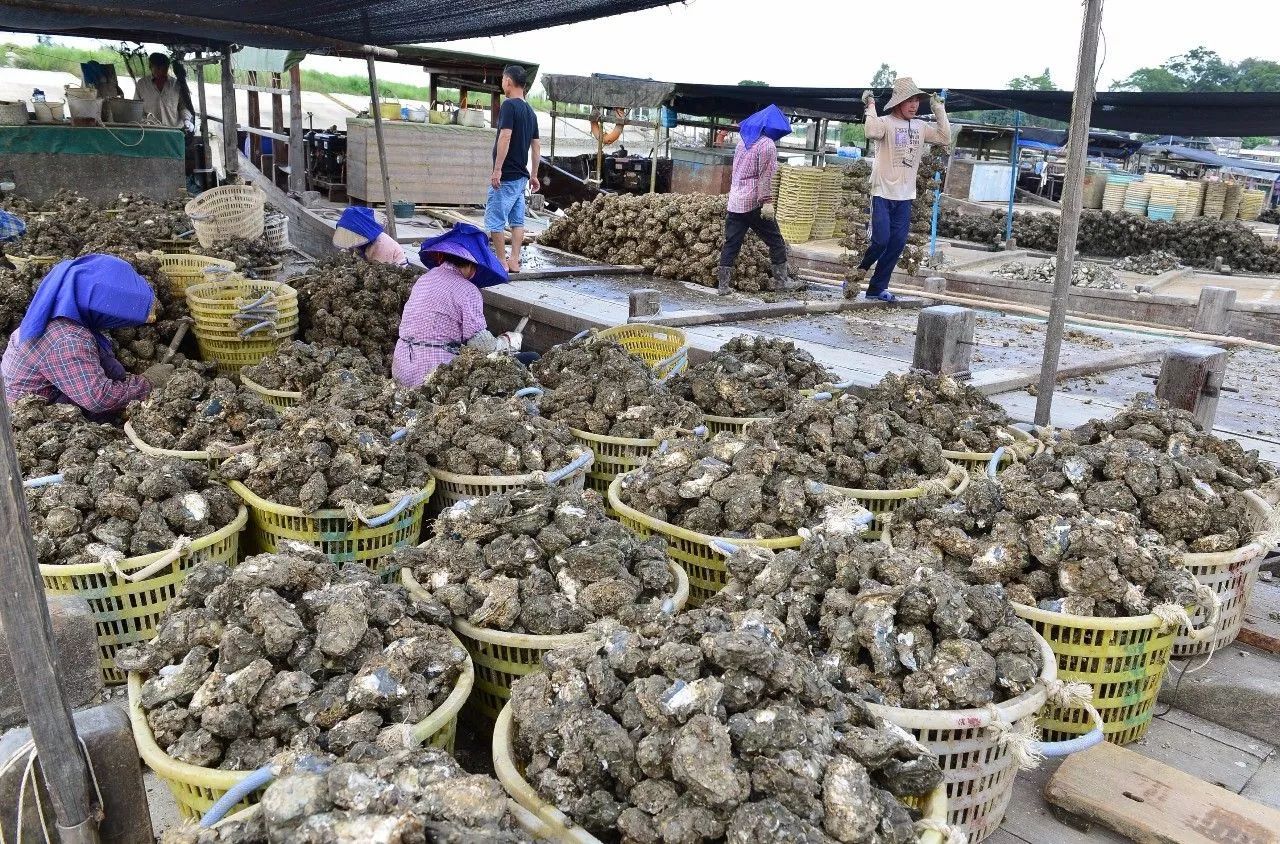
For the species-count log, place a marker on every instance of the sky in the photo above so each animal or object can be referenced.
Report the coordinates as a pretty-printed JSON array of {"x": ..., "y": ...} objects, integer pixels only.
[{"x": 942, "y": 44}]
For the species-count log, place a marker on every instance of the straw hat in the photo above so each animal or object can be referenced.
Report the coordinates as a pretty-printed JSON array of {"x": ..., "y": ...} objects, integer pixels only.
[{"x": 904, "y": 88}]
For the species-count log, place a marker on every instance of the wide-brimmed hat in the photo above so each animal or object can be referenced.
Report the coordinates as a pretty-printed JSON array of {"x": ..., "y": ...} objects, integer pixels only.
[
  {"x": 904, "y": 88},
  {"x": 469, "y": 243}
]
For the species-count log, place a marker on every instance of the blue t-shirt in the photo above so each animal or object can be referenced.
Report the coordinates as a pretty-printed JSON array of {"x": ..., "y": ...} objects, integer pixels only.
[{"x": 519, "y": 117}]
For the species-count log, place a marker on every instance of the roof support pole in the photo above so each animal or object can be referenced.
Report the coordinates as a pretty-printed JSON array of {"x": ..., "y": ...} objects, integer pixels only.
[
  {"x": 653, "y": 157},
  {"x": 297, "y": 161},
  {"x": 25, "y": 617},
  {"x": 206, "y": 158},
  {"x": 1072, "y": 199},
  {"x": 230, "y": 149},
  {"x": 382, "y": 146},
  {"x": 1013, "y": 174},
  {"x": 553, "y": 132}
]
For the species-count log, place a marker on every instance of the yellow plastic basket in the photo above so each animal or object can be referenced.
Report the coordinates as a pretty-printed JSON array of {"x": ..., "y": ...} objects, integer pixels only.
[
  {"x": 214, "y": 306},
  {"x": 978, "y": 767},
  {"x": 502, "y": 658},
  {"x": 657, "y": 344},
  {"x": 203, "y": 456},
  {"x": 688, "y": 549},
  {"x": 127, "y": 613},
  {"x": 614, "y": 456},
  {"x": 1231, "y": 575},
  {"x": 1024, "y": 446},
  {"x": 736, "y": 425},
  {"x": 37, "y": 262},
  {"x": 196, "y": 789},
  {"x": 341, "y": 539},
  {"x": 794, "y": 231},
  {"x": 452, "y": 488},
  {"x": 1122, "y": 659},
  {"x": 186, "y": 270},
  {"x": 565, "y": 830},
  {"x": 227, "y": 212},
  {"x": 279, "y": 399},
  {"x": 884, "y": 502}
]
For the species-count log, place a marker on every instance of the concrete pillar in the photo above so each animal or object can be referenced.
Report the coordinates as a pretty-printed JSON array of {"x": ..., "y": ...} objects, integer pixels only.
[
  {"x": 75, "y": 639},
  {"x": 1213, "y": 313},
  {"x": 935, "y": 284},
  {"x": 1191, "y": 379},
  {"x": 644, "y": 302},
  {"x": 944, "y": 340},
  {"x": 113, "y": 758}
]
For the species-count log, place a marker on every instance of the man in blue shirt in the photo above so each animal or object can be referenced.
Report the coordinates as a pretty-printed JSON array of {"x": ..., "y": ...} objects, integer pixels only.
[{"x": 512, "y": 171}]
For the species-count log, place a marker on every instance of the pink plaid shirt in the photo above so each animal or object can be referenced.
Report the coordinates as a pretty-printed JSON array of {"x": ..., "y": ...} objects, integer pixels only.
[
  {"x": 753, "y": 171},
  {"x": 444, "y": 311},
  {"x": 66, "y": 364}
]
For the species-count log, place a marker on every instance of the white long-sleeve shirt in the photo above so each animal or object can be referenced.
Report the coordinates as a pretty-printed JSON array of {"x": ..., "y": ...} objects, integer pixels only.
[
  {"x": 899, "y": 147},
  {"x": 160, "y": 104}
]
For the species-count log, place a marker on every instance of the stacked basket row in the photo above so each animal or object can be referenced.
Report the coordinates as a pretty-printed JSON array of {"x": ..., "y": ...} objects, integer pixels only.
[{"x": 239, "y": 321}]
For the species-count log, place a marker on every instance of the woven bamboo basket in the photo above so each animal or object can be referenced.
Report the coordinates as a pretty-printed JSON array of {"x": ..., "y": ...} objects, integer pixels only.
[{"x": 228, "y": 212}]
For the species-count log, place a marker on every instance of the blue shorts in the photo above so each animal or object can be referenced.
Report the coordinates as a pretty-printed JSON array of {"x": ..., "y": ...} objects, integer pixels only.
[{"x": 505, "y": 206}]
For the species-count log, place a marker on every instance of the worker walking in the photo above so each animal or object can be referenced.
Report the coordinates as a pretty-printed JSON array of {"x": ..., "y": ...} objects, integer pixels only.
[
  {"x": 445, "y": 311},
  {"x": 61, "y": 351},
  {"x": 517, "y": 151},
  {"x": 358, "y": 231},
  {"x": 900, "y": 145},
  {"x": 161, "y": 100},
  {"x": 755, "y": 160}
]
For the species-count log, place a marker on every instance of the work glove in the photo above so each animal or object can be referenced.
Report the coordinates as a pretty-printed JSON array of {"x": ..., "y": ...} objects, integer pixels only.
[
  {"x": 867, "y": 96},
  {"x": 935, "y": 102},
  {"x": 767, "y": 211},
  {"x": 158, "y": 374},
  {"x": 510, "y": 341}
]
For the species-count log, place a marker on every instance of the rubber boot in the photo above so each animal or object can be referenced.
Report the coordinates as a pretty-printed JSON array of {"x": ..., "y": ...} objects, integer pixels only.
[
  {"x": 853, "y": 282},
  {"x": 724, "y": 280},
  {"x": 782, "y": 279}
]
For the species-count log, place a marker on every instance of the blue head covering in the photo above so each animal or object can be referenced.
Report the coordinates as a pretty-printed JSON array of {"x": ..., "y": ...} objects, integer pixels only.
[
  {"x": 100, "y": 292},
  {"x": 11, "y": 227},
  {"x": 768, "y": 121},
  {"x": 360, "y": 220},
  {"x": 471, "y": 244}
]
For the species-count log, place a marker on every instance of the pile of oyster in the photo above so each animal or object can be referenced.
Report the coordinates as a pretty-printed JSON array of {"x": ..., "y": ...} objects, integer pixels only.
[
  {"x": 1083, "y": 274},
  {"x": 881, "y": 624},
  {"x": 473, "y": 374},
  {"x": 296, "y": 365},
  {"x": 347, "y": 301},
  {"x": 727, "y": 486},
  {"x": 751, "y": 376},
  {"x": 362, "y": 397},
  {"x": 1152, "y": 263},
  {"x": 284, "y": 651},
  {"x": 959, "y": 415},
  {"x": 118, "y": 503},
  {"x": 854, "y": 212},
  {"x": 251, "y": 257},
  {"x": 599, "y": 387},
  {"x": 325, "y": 457},
  {"x": 706, "y": 727},
  {"x": 677, "y": 236},
  {"x": 48, "y": 436},
  {"x": 16, "y": 289},
  {"x": 493, "y": 436},
  {"x": 192, "y": 413},
  {"x": 544, "y": 560},
  {"x": 138, "y": 348},
  {"x": 842, "y": 442},
  {"x": 1046, "y": 547}
]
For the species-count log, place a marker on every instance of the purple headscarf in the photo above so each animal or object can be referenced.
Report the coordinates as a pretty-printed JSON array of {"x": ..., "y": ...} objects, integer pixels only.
[
  {"x": 99, "y": 292},
  {"x": 471, "y": 244},
  {"x": 768, "y": 121}
]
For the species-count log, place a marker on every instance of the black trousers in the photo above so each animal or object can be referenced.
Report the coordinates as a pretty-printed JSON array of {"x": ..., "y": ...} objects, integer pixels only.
[{"x": 736, "y": 227}]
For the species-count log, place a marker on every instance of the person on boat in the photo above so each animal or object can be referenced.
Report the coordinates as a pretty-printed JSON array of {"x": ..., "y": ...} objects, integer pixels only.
[
  {"x": 900, "y": 146},
  {"x": 755, "y": 160},
  {"x": 61, "y": 351},
  {"x": 517, "y": 152},
  {"x": 445, "y": 311},
  {"x": 161, "y": 99},
  {"x": 360, "y": 232}
]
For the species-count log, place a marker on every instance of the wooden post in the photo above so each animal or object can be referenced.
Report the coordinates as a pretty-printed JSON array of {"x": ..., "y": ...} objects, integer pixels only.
[
  {"x": 27, "y": 627},
  {"x": 462, "y": 99},
  {"x": 553, "y": 132},
  {"x": 255, "y": 121},
  {"x": 1191, "y": 380},
  {"x": 653, "y": 157},
  {"x": 1072, "y": 200},
  {"x": 382, "y": 146},
  {"x": 230, "y": 149},
  {"x": 277, "y": 126},
  {"x": 433, "y": 90},
  {"x": 297, "y": 146},
  {"x": 206, "y": 160},
  {"x": 495, "y": 103},
  {"x": 644, "y": 302},
  {"x": 944, "y": 340},
  {"x": 600, "y": 151},
  {"x": 1213, "y": 312}
]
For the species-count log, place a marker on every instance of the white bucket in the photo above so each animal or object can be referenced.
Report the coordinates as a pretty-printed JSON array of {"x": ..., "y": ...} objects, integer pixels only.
[
  {"x": 75, "y": 92},
  {"x": 124, "y": 111},
  {"x": 49, "y": 112},
  {"x": 85, "y": 110}
]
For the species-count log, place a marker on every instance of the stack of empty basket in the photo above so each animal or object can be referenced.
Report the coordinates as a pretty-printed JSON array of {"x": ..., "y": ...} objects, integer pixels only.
[
  {"x": 1231, "y": 203},
  {"x": 1190, "y": 201},
  {"x": 1215, "y": 197},
  {"x": 240, "y": 321},
  {"x": 1136, "y": 197},
  {"x": 1165, "y": 193},
  {"x": 798, "y": 202},
  {"x": 1113, "y": 193},
  {"x": 829, "y": 189},
  {"x": 1251, "y": 204}
]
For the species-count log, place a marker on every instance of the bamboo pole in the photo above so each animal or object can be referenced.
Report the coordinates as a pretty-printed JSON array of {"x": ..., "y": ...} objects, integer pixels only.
[
  {"x": 230, "y": 150},
  {"x": 382, "y": 147}
]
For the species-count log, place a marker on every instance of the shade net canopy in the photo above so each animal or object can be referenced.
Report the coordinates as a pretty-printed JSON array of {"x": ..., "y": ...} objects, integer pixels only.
[{"x": 302, "y": 24}]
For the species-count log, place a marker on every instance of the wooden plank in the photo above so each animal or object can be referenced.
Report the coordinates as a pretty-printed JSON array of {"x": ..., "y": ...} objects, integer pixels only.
[
  {"x": 1262, "y": 618},
  {"x": 263, "y": 89},
  {"x": 1153, "y": 803},
  {"x": 994, "y": 381},
  {"x": 574, "y": 272}
]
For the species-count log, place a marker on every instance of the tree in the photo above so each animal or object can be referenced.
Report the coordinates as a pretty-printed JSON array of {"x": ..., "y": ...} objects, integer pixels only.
[
  {"x": 853, "y": 135},
  {"x": 1033, "y": 83},
  {"x": 1201, "y": 69},
  {"x": 753, "y": 83},
  {"x": 884, "y": 76}
]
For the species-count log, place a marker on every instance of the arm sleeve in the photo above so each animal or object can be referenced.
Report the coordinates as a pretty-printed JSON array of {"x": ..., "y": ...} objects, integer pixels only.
[
  {"x": 483, "y": 340},
  {"x": 768, "y": 166},
  {"x": 533, "y": 116},
  {"x": 939, "y": 133},
  {"x": 506, "y": 117},
  {"x": 875, "y": 125},
  {"x": 472, "y": 312},
  {"x": 75, "y": 368}
]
